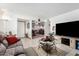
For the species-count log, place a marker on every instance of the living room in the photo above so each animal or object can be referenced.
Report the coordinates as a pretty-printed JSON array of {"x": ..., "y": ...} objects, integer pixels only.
[{"x": 32, "y": 25}]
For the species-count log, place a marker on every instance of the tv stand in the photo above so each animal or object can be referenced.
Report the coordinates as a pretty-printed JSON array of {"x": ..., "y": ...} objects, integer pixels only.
[{"x": 71, "y": 43}]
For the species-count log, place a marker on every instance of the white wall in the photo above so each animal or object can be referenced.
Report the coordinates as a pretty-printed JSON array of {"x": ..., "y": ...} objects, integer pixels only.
[
  {"x": 11, "y": 24},
  {"x": 47, "y": 27},
  {"x": 66, "y": 17},
  {"x": 2, "y": 22},
  {"x": 2, "y": 27}
]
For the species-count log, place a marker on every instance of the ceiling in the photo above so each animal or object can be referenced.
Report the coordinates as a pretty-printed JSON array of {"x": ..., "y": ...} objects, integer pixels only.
[{"x": 41, "y": 10}]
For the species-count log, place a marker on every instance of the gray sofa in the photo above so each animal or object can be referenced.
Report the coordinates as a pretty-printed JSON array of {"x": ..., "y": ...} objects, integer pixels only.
[{"x": 12, "y": 50}]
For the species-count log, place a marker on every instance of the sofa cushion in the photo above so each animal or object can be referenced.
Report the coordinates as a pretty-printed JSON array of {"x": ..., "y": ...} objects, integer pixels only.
[
  {"x": 10, "y": 52},
  {"x": 19, "y": 50},
  {"x": 11, "y": 40},
  {"x": 2, "y": 49},
  {"x": 1, "y": 38},
  {"x": 14, "y": 51}
]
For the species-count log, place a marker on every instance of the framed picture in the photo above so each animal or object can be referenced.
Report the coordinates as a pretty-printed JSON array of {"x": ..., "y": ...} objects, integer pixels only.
[
  {"x": 53, "y": 28},
  {"x": 28, "y": 25}
]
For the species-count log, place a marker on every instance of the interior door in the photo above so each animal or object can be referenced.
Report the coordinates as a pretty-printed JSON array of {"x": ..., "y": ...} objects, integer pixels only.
[{"x": 21, "y": 29}]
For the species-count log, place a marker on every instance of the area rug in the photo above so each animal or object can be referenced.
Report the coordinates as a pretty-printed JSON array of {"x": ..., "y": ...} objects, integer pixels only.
[
  {"x": 30, "y": 52},
  {"x": 35, "y": 51},
  {"x": 57, "y": 52}
]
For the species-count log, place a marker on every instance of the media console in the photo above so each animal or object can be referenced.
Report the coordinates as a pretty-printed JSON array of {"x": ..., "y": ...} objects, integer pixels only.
[
  {"x": 70, "y": 42},
  {"x": 69, "y": 33}
]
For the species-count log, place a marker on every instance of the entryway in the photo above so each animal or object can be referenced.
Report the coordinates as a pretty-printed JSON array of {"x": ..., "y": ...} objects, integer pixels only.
[{"x": 21, "y": 28}]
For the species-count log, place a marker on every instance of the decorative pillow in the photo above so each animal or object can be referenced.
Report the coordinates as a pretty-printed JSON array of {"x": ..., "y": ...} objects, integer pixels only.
[
  {"x": 2, "y": 49},
  {"x": 19, "y": 43},
  {"x": 5, "y": 42},
  {"x": 11, "y": 40}
]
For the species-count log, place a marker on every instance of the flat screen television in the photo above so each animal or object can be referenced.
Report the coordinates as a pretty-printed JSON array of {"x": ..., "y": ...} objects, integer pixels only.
[{"x": 70, "y": 29}]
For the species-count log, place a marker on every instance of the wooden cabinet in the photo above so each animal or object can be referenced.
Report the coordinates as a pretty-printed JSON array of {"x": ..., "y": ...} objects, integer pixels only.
[{"x": 72, "y": 41}]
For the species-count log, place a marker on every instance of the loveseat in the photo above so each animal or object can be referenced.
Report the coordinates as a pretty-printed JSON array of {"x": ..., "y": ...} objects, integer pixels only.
[{"x": 10, "y": 50}]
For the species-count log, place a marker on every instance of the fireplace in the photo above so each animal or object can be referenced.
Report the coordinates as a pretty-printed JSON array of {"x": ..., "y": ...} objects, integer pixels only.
[
  {"x": 77, "y": 44},
  {"x": 65, "y": 41}
]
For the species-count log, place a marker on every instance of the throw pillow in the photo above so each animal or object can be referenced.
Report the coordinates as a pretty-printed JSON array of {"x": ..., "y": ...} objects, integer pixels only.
[
  {"x": 11, "y": 40},
  {"x": 19, "y": 43},
  {"x": 5, "y": 42}
]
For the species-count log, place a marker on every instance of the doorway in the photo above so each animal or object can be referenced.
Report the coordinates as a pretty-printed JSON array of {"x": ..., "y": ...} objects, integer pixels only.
[{"x": 21, "y": 28}]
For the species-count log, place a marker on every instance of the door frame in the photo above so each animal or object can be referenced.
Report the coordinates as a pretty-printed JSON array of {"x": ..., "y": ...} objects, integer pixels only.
[{"x": 24, "y": 21}]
